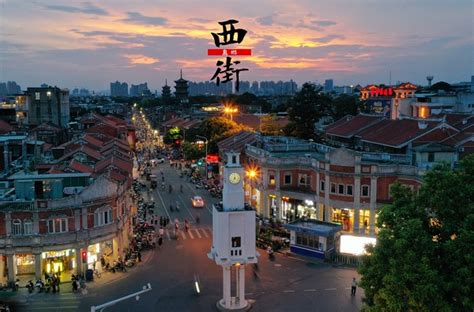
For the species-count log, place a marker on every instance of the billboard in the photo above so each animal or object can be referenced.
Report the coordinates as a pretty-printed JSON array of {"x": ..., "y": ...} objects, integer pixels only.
[{"x": 379, "y": 106}]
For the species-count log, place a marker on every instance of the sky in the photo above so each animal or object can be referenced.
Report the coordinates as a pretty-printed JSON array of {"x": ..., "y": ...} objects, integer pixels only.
[{"x": 89, "y": 44}]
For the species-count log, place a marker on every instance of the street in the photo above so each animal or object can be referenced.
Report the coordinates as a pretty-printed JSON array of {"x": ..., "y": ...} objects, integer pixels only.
[{"x": 285, "y": 284}]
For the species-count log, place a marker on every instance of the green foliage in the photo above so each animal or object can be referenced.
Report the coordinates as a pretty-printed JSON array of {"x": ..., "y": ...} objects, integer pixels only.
[
  {"x": 217, "y": 129},
  {"x": 269, "y": 125},
  {"x": 344, "y": 105},
  {"x": 192, "y": 151},
  {"x": 306, "y": 108},
  {"x": 173, "y": 134},
  {"x": 424, "y": 257}
]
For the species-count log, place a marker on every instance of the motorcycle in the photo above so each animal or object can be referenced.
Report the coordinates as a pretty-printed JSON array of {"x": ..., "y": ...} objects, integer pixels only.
[
  {"x": 40, "y": 285},
  {"x": 30, "y": 286}
]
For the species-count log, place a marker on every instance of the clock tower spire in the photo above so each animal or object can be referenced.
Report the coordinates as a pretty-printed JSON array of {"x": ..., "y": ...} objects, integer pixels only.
[{"x": 233, "y": 190}]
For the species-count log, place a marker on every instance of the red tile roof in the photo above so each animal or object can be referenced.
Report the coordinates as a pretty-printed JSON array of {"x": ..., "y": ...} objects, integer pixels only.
[
  {"x": 117, "y": 121},
  {"x": 5, "y": 127},
  {"x": 348, "y": 127},
  {"x": 103, "y": 129},
  {"x": 396, "y": 133},
  {"x": 237, "y": 142},
  {"x": 84, "y": 149},
  {"x": 114, "y": 161},
  {"x": 92, "y": 140},
  {"x": 436, "y": 135},
  {"x": 458, "y": 138},
  {"x": 80, "y": 167}
]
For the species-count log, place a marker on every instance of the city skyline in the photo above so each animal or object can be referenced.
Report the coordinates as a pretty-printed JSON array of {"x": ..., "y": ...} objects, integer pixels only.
[{"x": 88, "y": 45}]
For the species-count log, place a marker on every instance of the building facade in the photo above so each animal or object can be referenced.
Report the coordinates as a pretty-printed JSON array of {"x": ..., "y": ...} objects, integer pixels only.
[{"x": 48, "y": 104}]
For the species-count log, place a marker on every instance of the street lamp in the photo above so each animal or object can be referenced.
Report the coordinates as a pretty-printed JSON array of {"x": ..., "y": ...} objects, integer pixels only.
[
  {"x": 251, "y": 173},
  {"x": 206, "y": 141},
  {"x": 230, "y": 110}
]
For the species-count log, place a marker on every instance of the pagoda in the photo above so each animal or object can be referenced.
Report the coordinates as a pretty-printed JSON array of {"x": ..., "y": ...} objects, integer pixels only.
[{"x": 181, "y": 92}]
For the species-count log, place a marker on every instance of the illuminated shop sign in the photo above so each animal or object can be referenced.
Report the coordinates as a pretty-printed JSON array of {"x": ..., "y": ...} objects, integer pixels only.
[{"x": 381, "y": 92}]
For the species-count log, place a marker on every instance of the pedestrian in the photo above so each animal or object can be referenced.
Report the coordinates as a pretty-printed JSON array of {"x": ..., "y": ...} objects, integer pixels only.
[
  {"x": 139, "y": 256},
  {"x": 160, "y": 241},
  {"x": 354, "y": 286}
]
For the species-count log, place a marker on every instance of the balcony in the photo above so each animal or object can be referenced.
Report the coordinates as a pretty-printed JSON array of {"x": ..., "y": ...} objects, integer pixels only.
[
  {"x": 305, "y": 189},
  {"x": 386, "y": 157}
]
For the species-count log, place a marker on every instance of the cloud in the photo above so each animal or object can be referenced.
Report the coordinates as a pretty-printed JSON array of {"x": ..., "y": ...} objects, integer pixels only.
[
  {"x": 265, "y": 20},
  {"x": 327, "y": 39},
  {"x": 138, "y": 18},
  {"x": 199, "y": 20},
  {"x": 139, "y": 59},
  {"x": 323, "y": 23},
  {"x": 86, "y": 8}
]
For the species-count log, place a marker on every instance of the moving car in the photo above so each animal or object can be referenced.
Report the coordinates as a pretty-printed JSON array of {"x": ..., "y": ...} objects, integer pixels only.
[{"x": 197, "y": 202}]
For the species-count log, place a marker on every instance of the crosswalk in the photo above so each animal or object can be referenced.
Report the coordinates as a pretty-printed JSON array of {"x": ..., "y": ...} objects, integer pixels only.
[
  {"x": 192, "y": 233},
  {"x": 62, "y": 302}
]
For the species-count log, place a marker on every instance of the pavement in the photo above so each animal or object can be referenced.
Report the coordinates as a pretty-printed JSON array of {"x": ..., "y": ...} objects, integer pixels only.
[{"x": 288, "y": 283}]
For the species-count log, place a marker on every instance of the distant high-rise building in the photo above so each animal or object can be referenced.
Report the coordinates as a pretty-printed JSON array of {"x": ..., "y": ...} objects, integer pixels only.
[
  {"x": 254, "y": 87},
  {"x": 48, "y": 104},
  {"x": 328, "y": 85},
  {"x": 118, "y": 89},
  {"x": 244, "y": 86},
  {"x": 181, "y": 86},
  {"x": 140, "y": 89},
  {"x": 9, "y": 88}
]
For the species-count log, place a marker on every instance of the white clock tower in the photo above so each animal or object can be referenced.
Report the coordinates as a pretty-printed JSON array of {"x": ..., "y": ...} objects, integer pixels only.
[{"x": 233, "y": 236}]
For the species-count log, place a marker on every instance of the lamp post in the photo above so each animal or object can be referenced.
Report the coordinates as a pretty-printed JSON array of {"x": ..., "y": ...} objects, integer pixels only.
[
  {"x": 251, "y": 175},
  {"x": 206, "y": 141},
  {"x": 230, "y": 110}
]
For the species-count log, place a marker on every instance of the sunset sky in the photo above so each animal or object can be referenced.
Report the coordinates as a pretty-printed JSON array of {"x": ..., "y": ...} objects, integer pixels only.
[{"x": 89, "y": 44}]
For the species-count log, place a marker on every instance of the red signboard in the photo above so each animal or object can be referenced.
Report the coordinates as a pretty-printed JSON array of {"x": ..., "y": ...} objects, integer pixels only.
[
  {"x": 381, "y": 92},
  {"x": 212, "y": 159}
]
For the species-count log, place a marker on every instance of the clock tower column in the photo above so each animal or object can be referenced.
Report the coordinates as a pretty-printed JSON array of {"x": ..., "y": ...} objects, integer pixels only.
[{"x": 233, "y": 189}]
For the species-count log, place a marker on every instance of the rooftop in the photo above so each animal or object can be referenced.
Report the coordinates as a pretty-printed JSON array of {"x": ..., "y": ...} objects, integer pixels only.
[{"x": 314, "y": 227}]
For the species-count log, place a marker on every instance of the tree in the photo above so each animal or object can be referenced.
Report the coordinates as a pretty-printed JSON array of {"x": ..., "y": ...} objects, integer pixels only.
[
  {"x": 270, "y": 126},
  {"x": 424, "y": 256},
  {"x": 344, "y": 105},
  {"x": 217, "y": 129},
  {"x": 306, "y": 108},
  {"x": 192, "y": 151}
]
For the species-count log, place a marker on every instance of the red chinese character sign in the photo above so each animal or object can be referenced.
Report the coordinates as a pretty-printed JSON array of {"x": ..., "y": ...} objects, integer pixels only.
[{"x": 227, "y": 69}]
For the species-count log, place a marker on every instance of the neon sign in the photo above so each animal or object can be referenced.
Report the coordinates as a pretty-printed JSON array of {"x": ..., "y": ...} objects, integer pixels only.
[{"x": 381, "y": 92}]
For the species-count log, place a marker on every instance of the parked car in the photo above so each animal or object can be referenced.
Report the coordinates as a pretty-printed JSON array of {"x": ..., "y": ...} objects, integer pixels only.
[{"x": 197, "y": 202}]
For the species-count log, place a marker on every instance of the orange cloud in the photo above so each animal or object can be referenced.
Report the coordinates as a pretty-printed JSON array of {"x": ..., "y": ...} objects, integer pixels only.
[{"x": 139, "y": 59}]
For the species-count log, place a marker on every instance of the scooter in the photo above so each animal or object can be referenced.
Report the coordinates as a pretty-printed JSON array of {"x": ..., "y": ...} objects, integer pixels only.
[{"x": 30, "y": 287}]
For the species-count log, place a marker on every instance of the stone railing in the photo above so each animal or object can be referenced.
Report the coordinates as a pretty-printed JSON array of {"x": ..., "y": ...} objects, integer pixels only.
[{"x": 386, "y": 157}]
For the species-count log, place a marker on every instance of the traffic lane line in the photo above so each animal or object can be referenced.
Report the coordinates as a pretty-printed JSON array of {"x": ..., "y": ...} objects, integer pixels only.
[
  {"x": 330, "y": 289},
  {"x": 182, "y": 202},
  {"x": 164, "y": 206},
  {"x": 309, "y": 290},
  {"x": 195, "y": 193},
  {"x": 197, "y": 232},
  {"x": 288, "y": 291}
]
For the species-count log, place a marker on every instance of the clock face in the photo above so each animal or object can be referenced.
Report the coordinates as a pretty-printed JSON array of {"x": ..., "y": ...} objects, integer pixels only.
[{"x": 234, "y": 178}]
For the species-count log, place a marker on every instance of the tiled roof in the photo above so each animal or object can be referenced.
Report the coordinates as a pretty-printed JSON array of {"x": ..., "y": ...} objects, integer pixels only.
[
  {"x": 348, "y": 127},
  {"x": 103, "y": 129},
  {"x": 84, "y": 149},
  {"x": 117, "y": 162},
  {"x": 237, "y": 142},
  {"x": 436, "y": 135},
  {"x": 46, "y": 126},
  {"x": 92, "y": 140},
  {"x": 5, "y": 127},
  {"x": 116, "y": 120},
  {"x": 80, "y": 167},
  {"x": 458, "y": 138},
  {"x": 396, "y": 133}
]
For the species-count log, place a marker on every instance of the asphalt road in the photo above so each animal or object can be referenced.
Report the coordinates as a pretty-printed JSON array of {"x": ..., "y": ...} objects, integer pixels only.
[{"x": 285, "y": 284}]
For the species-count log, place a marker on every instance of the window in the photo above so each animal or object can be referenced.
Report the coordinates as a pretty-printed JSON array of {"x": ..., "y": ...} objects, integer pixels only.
[
  {"x": 27, "y": 227},
  {"x": 431, "y": 157},
  {"x": 102, "y": 217},
  {"x": 303, "y": 179},
  {"x": 16, "y": 227},
  {"x": 340, "y": 188},
  {"x": 236, "y": 242},
  {"x": 287, "y": 178},
  {"x": 321, "y": 185},
  {"x": 333, "y": 188},
  {"x": 348, "y": 189},
  {"x": 234, "y": 159},
  {"x": 271, "y": 180},
  {"x": 37, "y": 96},
  {"x": 57, "y": 225},
  {"x": 365, "y": 190}
]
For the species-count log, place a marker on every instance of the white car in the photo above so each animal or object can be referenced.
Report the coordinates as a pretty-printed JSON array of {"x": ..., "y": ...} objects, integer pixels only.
[
  {"x": 159, "y": 160},
  {"x": 197, "y": 202}
]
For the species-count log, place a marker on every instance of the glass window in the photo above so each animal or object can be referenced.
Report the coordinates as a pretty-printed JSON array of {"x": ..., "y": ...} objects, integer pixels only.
[
  {"x": 349, "y": 189},
  {"x": 16, "y": 227},
  {"x": 102, "y": 217},
  {"x": 431, "y": 157},
  {"x": 287, "y": 178},
  {"x": 365, "y": 190},
  {"x": 298, "y": 238},
  {"x": 333, "y": 188},
  {"x": 27, "y": 227},
  {"x": 57, "y": 225},
  {"x": 271, "y": 180},
  {"x": 340, "y": 188},
  {"x": 321, "y": 185},
  {"x": 303, "y": 179},
  {"x": 37, "y": 96}
]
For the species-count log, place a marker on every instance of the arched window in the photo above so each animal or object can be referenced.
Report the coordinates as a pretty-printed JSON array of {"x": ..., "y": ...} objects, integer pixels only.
[
  {"x": 57, "y": 224},
  {"x": 27, "y": 227},
  {"x": 16, "y": 227}
]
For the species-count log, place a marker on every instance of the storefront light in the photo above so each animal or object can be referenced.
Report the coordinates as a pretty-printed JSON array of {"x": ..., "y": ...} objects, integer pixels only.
[
  {"x": 97, "y": 248},
  {"x": 355, "y": 245},
  {"x": 43, "y": 255},
  {"x": 309, "y": 202}
]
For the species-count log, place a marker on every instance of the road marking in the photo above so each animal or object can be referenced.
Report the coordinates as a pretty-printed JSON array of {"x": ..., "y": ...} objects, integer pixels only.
[
  {"x": 163, "y": 203},
  {"x": 197, "y": 233},
  {"x": 348, "y": 288},
  {"x": 190, "y": 234},
  {"x": 195, "y": 193},
  {"x": 184, "y": 205},
  {"x": 309, "y": 290},
  {"x": 288, "y": 291},
  {"x": 182, "y": 234},
  {"x": 329, "y": 289},
  {"x": 205, "y": 234},
  {"x": 277, "y": 265},
  {"x": 248, "y": 294}
]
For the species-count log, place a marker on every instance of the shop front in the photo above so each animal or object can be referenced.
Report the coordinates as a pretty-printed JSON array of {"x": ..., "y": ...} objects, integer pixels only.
[
  {"x": 96, "y": 251},
  {"x": 58, "y": 261},
  {"x": 25, "y": 264},
  {"x": 343, "y": 216},
  {"x": 293, "y": 209}
]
